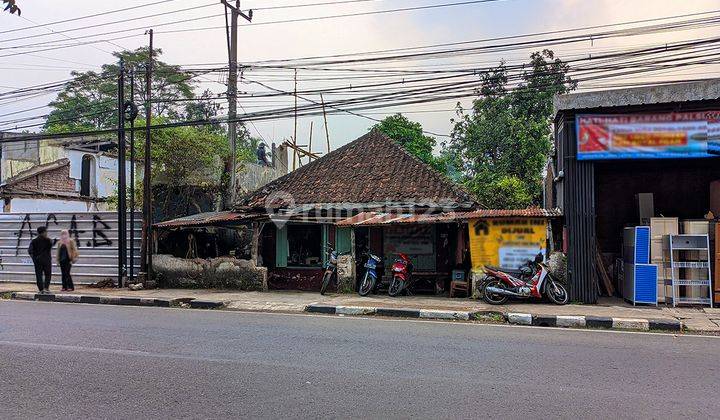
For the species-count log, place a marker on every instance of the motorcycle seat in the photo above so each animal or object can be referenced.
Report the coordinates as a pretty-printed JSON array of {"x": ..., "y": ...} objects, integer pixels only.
[{"x": 515, "y": 272}]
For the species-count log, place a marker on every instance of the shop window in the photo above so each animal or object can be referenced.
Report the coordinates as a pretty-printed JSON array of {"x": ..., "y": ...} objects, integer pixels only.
[{"x": 304, "y": 245}]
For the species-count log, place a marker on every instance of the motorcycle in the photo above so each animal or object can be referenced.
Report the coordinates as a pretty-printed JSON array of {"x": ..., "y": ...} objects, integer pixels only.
[
  {"x": 402, "y": 275},
  {"x": 369, "y": 280},
  {"x": 330, "y": 269},
  {"x": 499, "y": 285}
]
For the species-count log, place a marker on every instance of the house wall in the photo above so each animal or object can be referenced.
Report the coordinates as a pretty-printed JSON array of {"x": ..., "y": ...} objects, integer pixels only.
[
  {"x": 57, "y": 180},
  {"x": 47, "y": 205},
  {"x": 106, "y": 167}
]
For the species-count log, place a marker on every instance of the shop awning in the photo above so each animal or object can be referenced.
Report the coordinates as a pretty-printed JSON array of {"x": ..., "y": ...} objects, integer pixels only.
[{"x": 382, "y": 219}]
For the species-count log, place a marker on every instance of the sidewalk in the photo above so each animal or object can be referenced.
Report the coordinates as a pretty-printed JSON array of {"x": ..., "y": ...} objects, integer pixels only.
[{"x": 698, "y": 320}]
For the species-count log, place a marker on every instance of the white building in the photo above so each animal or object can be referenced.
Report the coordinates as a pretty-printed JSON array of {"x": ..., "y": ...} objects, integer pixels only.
[{"x": 63, "y": 175}]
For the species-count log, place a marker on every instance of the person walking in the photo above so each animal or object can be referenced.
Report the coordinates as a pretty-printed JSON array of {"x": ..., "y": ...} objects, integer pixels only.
[
  {"x": 67, "y": 254},
  {"x": 39, "y": 251}
]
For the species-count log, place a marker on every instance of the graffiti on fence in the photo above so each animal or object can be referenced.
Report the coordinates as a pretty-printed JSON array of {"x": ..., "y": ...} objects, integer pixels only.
[{"x": 99, "y": 236}]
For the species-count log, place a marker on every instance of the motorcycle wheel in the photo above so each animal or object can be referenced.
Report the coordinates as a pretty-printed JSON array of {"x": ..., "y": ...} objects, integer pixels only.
[
  {"x": 556, "y": 292},
  {"x": 367, "y": 285},
  {"x": 325, "y": 282},
  {"x": 493, "y": 298},
  {"x": 396, "y": 286}
]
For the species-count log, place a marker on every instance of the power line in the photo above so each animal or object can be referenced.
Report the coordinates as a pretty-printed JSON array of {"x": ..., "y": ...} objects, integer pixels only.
[{"x": 86, "y": 16}]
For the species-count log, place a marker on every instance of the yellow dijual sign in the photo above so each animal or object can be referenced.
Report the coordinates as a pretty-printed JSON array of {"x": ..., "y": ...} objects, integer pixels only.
[{"x": 506, "y": 242}]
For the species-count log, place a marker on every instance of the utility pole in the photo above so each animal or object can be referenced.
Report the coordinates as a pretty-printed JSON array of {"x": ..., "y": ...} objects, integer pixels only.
[
  {"x": 132, "y": 176},
  {"x": 235, "y": 12},
  {"x": 146, "y": 248},
  {"x": 121, "y": 175},
  {"x": 296, "y": 121}
]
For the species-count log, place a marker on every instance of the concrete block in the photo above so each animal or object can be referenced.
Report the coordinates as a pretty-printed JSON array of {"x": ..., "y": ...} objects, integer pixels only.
[
  {"x": 598, "y": 322},
  {"x": 206, "y": 304},
  {"x": 439, "y": 314},
  {"x": 45, "y": 297},
  {"x": 398, "y": 312},
  {"x": 109, "y": 300},
  {"x": 569, "y": 321},
  {"x": 95, "y": 300},
  {"x": 665, "y": 324},
  {"x": 519, "y": 319},
  {"x": 354, "y": 310},
  {"x": 543, "y": 320},
  {"x": 320, "y": 309},
  {"x": 67, "y": 298},
  {"x": 631, "y": 324},
  {"x": 24, "y": 296}
]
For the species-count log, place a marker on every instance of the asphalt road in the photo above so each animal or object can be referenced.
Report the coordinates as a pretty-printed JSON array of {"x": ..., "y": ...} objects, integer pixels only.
[{"x": 71, "y": 360}]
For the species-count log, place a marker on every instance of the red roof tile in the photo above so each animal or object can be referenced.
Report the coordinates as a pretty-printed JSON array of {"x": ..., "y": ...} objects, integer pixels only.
[{"x": 370, "y": 170}]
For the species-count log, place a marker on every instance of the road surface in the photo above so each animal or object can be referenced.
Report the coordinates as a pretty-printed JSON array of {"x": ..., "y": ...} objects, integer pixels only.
[{"x": 85, "y": 361}]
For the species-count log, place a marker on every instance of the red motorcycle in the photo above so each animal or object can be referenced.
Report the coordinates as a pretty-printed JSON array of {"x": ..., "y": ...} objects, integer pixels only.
[
  {"x": 402, "y": 275},
  {"x": 500, "y": 286}
]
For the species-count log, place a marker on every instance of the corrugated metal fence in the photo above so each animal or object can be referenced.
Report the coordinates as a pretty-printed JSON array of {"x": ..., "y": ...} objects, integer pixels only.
[{"x": 95, "y": 232}]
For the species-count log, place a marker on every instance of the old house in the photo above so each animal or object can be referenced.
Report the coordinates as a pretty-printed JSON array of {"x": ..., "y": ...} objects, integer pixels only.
[
  {"x": 58, "y": 175},
  {"x": 370, "y": 174}
]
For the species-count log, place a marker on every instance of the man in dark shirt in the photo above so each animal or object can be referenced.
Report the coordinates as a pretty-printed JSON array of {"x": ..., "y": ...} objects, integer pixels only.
[{"x": 39, "y": 250}]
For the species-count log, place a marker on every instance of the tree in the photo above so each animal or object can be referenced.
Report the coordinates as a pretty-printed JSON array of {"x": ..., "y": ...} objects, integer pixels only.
[
  {"x": 11, "y": 7},
  {"x": 410, "y": 135},
  {"x": 89, "y": 101},
  {"x": 504, "y": 142},
  {"x": 185, "y": 159}
]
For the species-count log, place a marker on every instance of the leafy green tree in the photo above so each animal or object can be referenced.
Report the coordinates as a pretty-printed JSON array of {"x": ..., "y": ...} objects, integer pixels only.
[
  {"x": 505, "y": 140},
  {"x": 89, "y": 101},
  {"x": 410, "y": 135}
]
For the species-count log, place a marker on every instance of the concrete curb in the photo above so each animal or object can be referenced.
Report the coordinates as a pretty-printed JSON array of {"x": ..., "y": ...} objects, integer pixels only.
[
  {"x": 560, "y": 321},
  {"x": 110, "y": 300}
]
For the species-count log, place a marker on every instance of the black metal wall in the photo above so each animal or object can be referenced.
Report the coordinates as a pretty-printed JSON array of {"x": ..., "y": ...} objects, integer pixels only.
[{"x": 579, "y": 210}]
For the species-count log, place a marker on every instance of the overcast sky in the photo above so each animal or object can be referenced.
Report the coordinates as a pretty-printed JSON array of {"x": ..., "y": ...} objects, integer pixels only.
[{"x": 321, "y": 37}]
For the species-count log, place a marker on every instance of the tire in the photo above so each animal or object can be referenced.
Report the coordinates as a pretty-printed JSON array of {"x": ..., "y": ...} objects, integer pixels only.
[
  {"x": 366, "y": 285},
  {"x": 396, "y": 286},
  {"x": 492, "y": 298},
  {"x": 556, "y": 292},
  {"x": 325, "y": 282}
]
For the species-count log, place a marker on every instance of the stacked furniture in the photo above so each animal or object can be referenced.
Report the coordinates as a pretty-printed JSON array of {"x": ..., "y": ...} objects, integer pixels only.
[
  {"x": 640, "y": 277},
  {"x": 717, "y": 266},
  {"x": 690, "y": 256},
  {"x": 660, "y": 227}
]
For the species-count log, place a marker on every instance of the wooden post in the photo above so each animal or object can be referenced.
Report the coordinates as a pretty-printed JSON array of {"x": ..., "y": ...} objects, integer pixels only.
[
  {"x": 327, "y": 133},
  {"x": 310, "y": 143}
]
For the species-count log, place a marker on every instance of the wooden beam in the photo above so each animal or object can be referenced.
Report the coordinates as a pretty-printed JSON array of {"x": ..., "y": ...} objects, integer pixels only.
[{"x": 327, "y": 133}]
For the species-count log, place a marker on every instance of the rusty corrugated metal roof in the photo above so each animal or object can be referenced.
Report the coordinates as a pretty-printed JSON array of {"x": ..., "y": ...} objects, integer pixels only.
[
  {"x": 208, "y": 219},
  {"x": 697, "y": 90},
  {"x": 380, "y": 219}
]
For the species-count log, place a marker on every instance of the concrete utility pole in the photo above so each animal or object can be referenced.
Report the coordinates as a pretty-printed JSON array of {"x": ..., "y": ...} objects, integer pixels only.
[
  {"x": 235, "y": 12},
  {"x": 121, "y": 175},
  {"x": 146, "y": 248}
]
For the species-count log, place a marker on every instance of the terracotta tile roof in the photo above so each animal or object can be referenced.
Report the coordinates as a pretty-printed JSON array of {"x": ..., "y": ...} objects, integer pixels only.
[
  {"x": 371, "y": 218},
  {"x": 372, "y": 170},
  {"x": 36, "y": 170}
]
